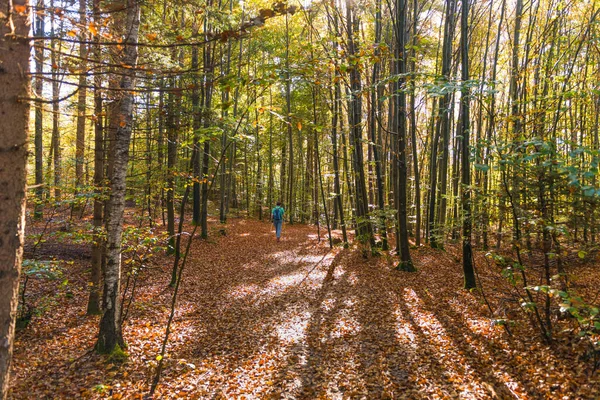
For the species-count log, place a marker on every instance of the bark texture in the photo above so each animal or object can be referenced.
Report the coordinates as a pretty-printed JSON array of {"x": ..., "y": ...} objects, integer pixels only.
[
  {"x": 110, "y": 334},
  {"x": 14, "y": 132}
]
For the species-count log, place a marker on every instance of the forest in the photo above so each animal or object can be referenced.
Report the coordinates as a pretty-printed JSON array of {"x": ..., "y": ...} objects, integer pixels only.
[{"x": 437, "y": 162}]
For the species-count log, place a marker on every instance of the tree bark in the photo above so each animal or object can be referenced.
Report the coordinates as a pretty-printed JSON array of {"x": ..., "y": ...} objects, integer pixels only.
[
  {"x": 39, "y": 120},
  {"x": 14, "y": 135},
  {"x": 110, "y": 334},
  {"x": 468, "y": 268},
  {"x": 400, "y": 125},
  {"x": 81, "y": 107},
  {"x": 93, "y": 306},
  {"x": 364, "y": 229}
]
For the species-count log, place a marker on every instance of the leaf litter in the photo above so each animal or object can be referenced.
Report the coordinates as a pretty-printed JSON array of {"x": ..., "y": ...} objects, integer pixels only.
[{"x": 257, "y": 319}]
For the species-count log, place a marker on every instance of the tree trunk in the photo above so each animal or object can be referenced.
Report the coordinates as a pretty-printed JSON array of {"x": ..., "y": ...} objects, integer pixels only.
[
  {"x": 208, "y": 90},
  {"x": 468, "y": 267},
  {"x": 39, "y": 117},
  {"x": 93, "y": 306},
  {"x": 400, "y": 125},
  {"x": 413, "y": 127},
  {"x": 442, "y": 131},
  {"x": 172, "y": 140},
  {"x": 14, "y": 135},
  {"x": 288, "y": 101},
  {"x": 196, "y": 125},
  {"x": 81, "y": 108},
  {"x": 364, "y": 229},
  {"x": 372, "y": 130},
  {"x": 56, "y": 148},
  {"x": 110, "y": 335}
]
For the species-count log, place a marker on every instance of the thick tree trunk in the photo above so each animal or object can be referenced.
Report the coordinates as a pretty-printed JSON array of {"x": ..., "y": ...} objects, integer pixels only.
[
  {"x": 400, "y": 125},
  {"x": 14, "y": 132},
  {"x": 110, "y": 334}
]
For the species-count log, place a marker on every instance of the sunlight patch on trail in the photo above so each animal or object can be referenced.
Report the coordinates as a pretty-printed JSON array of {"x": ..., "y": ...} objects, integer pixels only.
[
  {"x": 292, "y": 328},
  {"x": 457, "y": 369},
  {"x": 404, "y": 333},
  {"x": 242, "y": 291}
]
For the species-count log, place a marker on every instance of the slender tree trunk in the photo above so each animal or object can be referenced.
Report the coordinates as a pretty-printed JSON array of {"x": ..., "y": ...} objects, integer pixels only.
[
  {"x": 39, "y": 116},
  {"x": 160, "y": 149},
  {"x": 515, "y": 108},
  {"x": 364, "y": 229},
  {"x": 413, "y": 126},
  {"x": 93, "y": 306},
  {"x": 81, "y": 100},
  {"x": 259, "y": 184},
  {"x": 372, "y": 129},
  {"x": 489, "y": 133},
  {"x": 468, "y": 267},
  {"x": 172, "y": 140},
  {"x": 271, "y": 173},
  {"x": 436, "y": 238},
  {"x": 208, "y": 91},
  {"x": 223, "y": 173},
  {"x": 56, "y": 148},
  {"x": 196, "y": 126},
  {"x": 336, "y": 167},
  {"x": 110, "y": 334},
  {"x": 14, "y": 136},
  {"x": 288, "y": 102}
]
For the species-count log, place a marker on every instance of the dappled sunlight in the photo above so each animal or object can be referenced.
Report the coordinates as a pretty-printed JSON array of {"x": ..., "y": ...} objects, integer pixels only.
[
  {"x": 345, "y": 325},
  {"x": 457, "y": 369},
  {"x": 291, "y": 327},
  {"x": 242, "y": 291},
  {"x": 295, "y": 320},
  {"x": 404, "y": 333}
]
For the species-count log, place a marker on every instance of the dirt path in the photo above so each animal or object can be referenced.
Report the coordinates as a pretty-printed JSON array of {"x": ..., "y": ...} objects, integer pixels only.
[{"x": 293, "y": 320}]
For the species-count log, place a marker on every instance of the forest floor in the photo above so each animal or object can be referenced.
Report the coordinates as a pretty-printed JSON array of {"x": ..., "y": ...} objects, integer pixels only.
[{"x": 258, "y": 319}]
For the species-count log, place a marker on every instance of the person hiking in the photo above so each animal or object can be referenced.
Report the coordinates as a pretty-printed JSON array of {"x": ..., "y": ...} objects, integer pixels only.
[{"x": 277, "y": 217}]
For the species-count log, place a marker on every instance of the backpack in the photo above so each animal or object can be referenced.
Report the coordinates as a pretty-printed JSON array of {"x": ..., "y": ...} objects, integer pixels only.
[{"x": 277, "y": 213}]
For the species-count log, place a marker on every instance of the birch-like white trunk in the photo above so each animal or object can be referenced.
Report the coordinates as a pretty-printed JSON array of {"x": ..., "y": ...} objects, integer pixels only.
[{"x": 110, "y": 334}]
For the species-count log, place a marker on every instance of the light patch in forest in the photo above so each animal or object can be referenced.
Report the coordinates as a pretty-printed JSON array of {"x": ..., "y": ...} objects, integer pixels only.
[
  {"x": 242, "y": 291},
  {"x": 437, "y": 340},
  {"x": 404, "y": 332},
  {"x": 292, "y": 329}
]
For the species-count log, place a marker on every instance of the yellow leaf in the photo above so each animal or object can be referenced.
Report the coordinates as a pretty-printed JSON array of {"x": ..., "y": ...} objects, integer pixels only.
[
  {"x": 299, "y": 125},
  {"x": 72, "y": 33},
  {"x": 93, "y": 29},
  {"x": 151, "y": 36}
]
